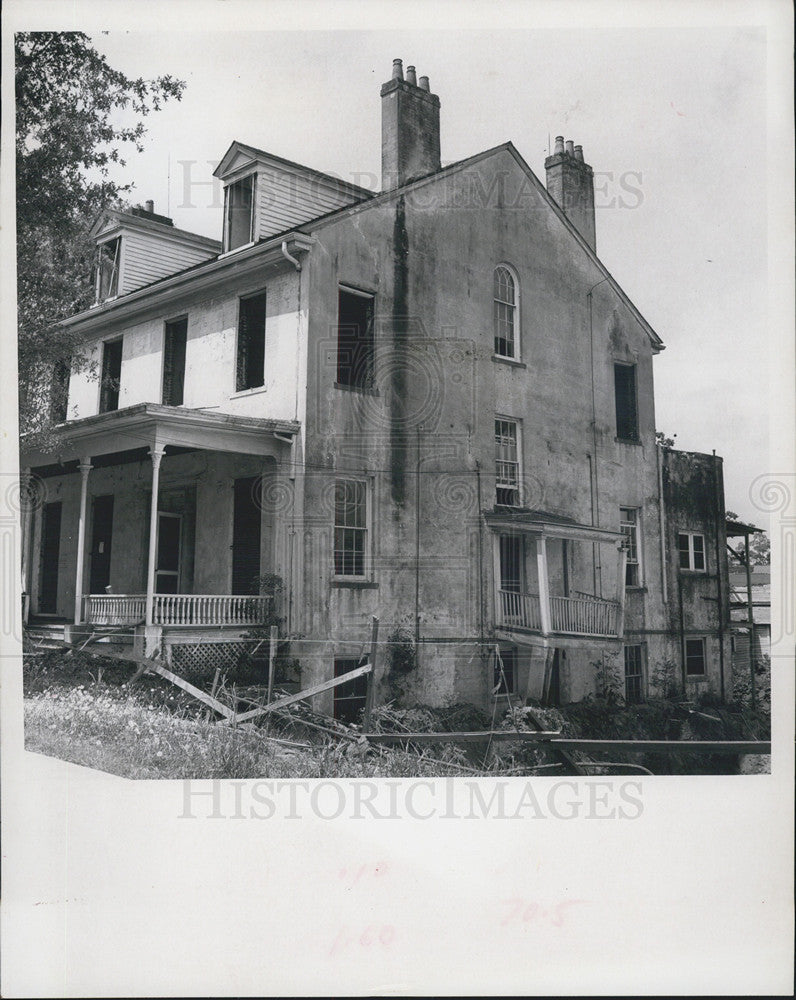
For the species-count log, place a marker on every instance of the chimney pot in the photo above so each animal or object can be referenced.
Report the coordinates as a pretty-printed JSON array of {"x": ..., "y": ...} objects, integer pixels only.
[
  {"x": 149, "y": 206},
  {"x": 559, "y": 145},
  {"x": 397, "y": 69},
  {"x": 570, "y": 148},
  {"x": 424, "y": 84},
  {"x": 579, "y": 154},
  {"x": 411, "y": 76}
]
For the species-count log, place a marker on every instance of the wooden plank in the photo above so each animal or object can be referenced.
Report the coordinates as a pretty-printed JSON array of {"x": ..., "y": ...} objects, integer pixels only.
[
  {"x": 374, "y": 638},
  {"x": 553, "y": 740},
  {"x": 271, "y": 661},
  {"x": 194, "y": 691},
  {"x": 148, "y": 664},
  {"x": 307, "y": 693}
]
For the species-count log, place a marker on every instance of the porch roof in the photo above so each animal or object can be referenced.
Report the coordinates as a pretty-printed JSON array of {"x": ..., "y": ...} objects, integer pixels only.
[
  {"x": 156, "y": 426},
  {"x": 544, "y": 523}
]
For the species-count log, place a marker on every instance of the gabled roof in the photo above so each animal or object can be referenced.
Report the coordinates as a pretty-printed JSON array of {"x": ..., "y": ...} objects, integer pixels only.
[
  {"x": 239, "y": 156},
  {"x": 110, "y": 218},
  {"x": 437, "y": 175}
]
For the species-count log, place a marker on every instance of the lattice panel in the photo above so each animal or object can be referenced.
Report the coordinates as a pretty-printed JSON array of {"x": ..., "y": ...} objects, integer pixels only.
[{"x": 202, "y": 659}]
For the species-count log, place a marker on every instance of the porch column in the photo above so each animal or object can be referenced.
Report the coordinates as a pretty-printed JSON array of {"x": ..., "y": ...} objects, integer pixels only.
[
  {"x": 157, "y": 454},
  {"x": 498, "y": 619},
  {"x": 85, "y": 468},
  {"x": 620, "y": 587},
  {"x": 544, "y": 586},
  {"x": 25, "y": 520}
]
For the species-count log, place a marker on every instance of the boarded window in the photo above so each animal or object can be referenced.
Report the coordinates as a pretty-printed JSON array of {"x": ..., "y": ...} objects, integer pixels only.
[
  {"x": 507, "y": 463},
  {"x": 355, "y": 345},
  {"x": 246, "y": 535},
  {"x": 350, "y": 527},
  {"x": 628, "y": 523},
  {"x": 108, "y": 260},
  {"x": 694, "y": 657},
  {"x": 505, "y": 313},
  {"x": 626, "y": 402},
  {"x": 175, "y": 337},
  {"x": 251, "y": 343},
  {"x": 349, "y": 698},
  {"x": 239, "y": 213},
  {"x": 634, "y": 675},
  {"x": 111, "y": 375},
  {"x": 59, "y": 391},
  {"x": 504, "y": 680}
]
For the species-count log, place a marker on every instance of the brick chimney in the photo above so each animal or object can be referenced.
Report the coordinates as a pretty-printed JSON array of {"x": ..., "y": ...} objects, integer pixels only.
[
  {"x": 409, "y": 128},
  {"x": 570, "y": 181}
]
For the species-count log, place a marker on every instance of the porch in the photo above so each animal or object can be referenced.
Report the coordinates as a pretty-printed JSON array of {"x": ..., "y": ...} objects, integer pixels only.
[
  {"x": 539, "y": 561},
  {"x": 161, "y": 517}
]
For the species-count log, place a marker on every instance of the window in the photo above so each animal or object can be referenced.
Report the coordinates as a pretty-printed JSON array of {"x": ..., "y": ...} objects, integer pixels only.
[
  {"x": 239, "y": 213},
  {"x": 507, "y": 463},
  {"x": 694, "y": 657},
  {"x": 174, "y": 340},
  {"x": 349, "y": 698},
  {"x": 355, "y": 345},
  {"x": 108, "y": 261},
  {"x": 505, "y": 681},
  {"x": 634, "y": 675},
  {"x": 250, "y": 368},
  {"x": 505, "y": 314},
  {"x": 59, "y": 391},
  {"x": 692, "y": 551},
  {"x": 350, "y": 528},
  {"x": 629, "y": 525},
  {"x": 111, "y": 375},
  {"x": 626, "y": 403}
]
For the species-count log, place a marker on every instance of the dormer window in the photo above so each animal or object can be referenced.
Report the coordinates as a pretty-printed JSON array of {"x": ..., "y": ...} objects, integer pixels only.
[
  {"x": 239, "y": 213},
  {"x": 108, "y": 260}
]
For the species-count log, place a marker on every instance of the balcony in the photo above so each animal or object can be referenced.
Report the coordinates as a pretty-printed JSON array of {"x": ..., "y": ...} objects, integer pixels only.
[
  {"x": 178, "y": 609},
  {"x": 580, "y": 616},
  {"x": 538, "y": 560}
]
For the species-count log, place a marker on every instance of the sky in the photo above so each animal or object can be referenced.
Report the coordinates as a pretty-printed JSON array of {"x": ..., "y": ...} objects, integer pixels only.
[{"x": 672, "y": 119}]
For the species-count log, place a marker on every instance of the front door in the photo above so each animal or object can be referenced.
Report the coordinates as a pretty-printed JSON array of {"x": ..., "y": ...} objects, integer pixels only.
[
  {"x": 101, "y": 533},
  {"x": 50, "y": 555},
  {"x": 246, "y": 535},
  {"x": 167, "y": 562}
]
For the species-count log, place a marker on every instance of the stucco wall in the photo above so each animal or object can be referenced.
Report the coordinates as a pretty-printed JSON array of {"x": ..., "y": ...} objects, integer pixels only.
[
  {"x": 209, "y": 356},
  {"x": 429, "y": 259}
]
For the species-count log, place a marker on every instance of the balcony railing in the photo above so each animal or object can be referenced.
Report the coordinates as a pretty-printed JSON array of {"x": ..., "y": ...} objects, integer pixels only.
[
  {"x": 583, "y": 615},
  {"x": 178, "y": 609}
]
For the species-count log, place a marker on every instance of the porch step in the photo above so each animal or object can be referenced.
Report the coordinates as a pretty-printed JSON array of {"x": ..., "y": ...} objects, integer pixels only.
[{"x": 45, "y": 636}]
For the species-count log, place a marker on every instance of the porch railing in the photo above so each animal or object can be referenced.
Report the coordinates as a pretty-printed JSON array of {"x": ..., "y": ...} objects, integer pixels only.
[
  {"x": 114, "y": 609},
  {"x": 520, "y": 610},
  {"x": 178, "y": 609},
  {"x": 583, "y": 615}
]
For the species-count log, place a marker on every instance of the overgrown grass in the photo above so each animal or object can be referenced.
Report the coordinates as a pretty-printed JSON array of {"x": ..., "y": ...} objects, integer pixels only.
[{"x": 83, "y": 710}]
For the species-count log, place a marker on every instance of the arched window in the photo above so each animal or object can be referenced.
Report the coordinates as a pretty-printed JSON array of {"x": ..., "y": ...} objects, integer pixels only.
[{"x": 507, "y": 329}]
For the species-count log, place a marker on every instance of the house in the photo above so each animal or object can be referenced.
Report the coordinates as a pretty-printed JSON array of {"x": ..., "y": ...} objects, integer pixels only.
[{"x": 432, "y": 404}]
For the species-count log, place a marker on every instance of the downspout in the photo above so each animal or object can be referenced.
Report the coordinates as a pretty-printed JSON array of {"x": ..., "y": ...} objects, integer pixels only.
[
  {"x": 720, "y": 606},
  {"x": 417, "y": 546},
  {"x": 664, "y": 583},
  {"x": 682, "y": 629},
  {"x": 289, "y": 256},
  {"x": 751, "y": 619},
  {"x": 595, "y": 509},
  {"x": 480, "y": 561}
]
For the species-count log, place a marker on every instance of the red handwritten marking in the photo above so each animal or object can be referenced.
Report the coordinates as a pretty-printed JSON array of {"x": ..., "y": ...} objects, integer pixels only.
[
  {"x": 381, "y": 935},
  {"x": 355, "y": 875},
  {"x": 521, "y": 911}
]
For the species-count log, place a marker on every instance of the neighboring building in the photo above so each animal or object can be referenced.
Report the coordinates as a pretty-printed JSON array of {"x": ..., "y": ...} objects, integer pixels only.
[
  {"x": 739, "y": 614},
  {"x": 434, "y": 405}
]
